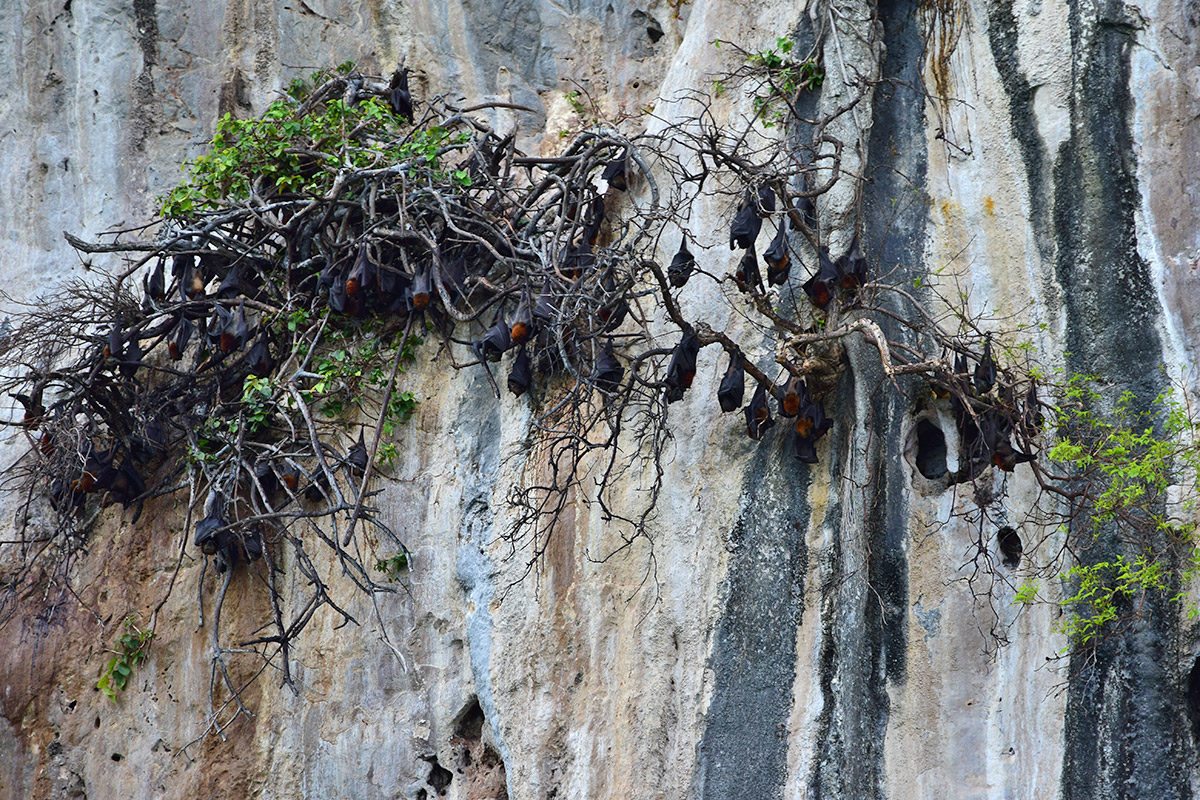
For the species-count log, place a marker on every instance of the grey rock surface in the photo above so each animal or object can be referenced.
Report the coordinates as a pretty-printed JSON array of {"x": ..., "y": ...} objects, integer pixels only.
[{"x": 795, "y": 632}]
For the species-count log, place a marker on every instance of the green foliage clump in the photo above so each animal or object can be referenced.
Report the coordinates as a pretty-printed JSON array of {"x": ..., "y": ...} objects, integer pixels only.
[
  {"x": 1101, "y": 588},
  {"x": 299, "y": 146},
  {"x": 133, "y": 647},
  {"x": 1136, "y": 470},
  {"x": 394, "y": 566},
  {"x": 784, "y": 78}
]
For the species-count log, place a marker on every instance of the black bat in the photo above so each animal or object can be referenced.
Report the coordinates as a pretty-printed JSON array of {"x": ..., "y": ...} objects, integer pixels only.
[
  {"x": 520, "y": 376},
  {"x": 758, "y": 414},
  {"x": 594, "y": 220},
  {"x": 494, "y": 342},
  {"x": 544, "y": 309},
  {"x": 733, "y": 386},
  {"x": 181, "y": 337},
  {"x": 748, "y": 276},
  {"x": 766, "y": 201},
  {"x": 114, "y": 343},
  {"x": 132, "y": 358},
  {"x": 422, "y": 286},
  {"x": 361, "y": 278},
  {"x": 337, "y": 300},
  {"x": 819, "y": 287},
  {"x": 682, "y": 369},
  {"x": 682, "y": 266},
  {"x": 806, "y": 209},
  {"x": 126, "y": 485},
  {"x": 205, "y": 536},
  {"x": 779, "y": 260},
  {"x": 155, "y": 284},
  {"x": 746, "y": 224},
  {"x": 985, "y": 371},
  {"x": 32, "y": 403},
  {"x": 793, "y": 397},
  {"x": 577, "y": 259},
  {"x": 521, "y": 327},
  {"x": 182, "y": 265},
  {"x": 356, "y": 457},
  {"x": 615, "y": 174},
  {"x": 259, "y": 359},
  {"x": 399, "y": 96},
  {"x": 608, "y": 372},
  {"x": 852, "y": 268},
  {"x": 811, "y": 425},
  {"x": 235, "y": 331}
]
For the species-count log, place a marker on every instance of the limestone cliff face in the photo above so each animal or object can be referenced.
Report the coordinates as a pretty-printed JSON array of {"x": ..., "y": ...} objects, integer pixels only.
[{"x": 794, "y": 632}]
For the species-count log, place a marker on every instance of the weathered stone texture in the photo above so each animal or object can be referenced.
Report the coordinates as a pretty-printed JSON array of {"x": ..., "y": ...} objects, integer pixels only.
[{"x": 795, "y": 632}]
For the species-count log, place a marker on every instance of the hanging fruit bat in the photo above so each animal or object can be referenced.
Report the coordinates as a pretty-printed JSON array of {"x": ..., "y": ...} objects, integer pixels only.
[
  {"x": 819, "y": 287},
  {"x": 205, "y": 536},
  {"x": 132, "y": 358},
  {"x": 544, "y": 309},
  {"x": 32, "y": 403},
  {"x": 155, "y": 284},
  {"x": 682, "y": 369},
  {"x": 615, "y": 174},
  {"x": 682, "y": 266},
  {"x": 356, "y": 458},
  {"x": 337, "y": 300},
  {"x": 748, "y": 276},
  {"x": 733, "y": 386},
  {"x": 852, "y": 268},
  {"x": 766, "y": 201},
  {"x": 608, "y": 372},
  {"x": 811, "y": 425},
  {"x": 806, "y": 209},
  {"x": 793, "y": 397},
  {"x": 399, "y": 96},
  {"x": 594, "y": 220},
  {"x": 779, "y": 261},
  {"x": 182, "y": 265},
  {"x": 520, "y": 376},
  {"x": 318, "y": 487},
  {"x": 181, "y": 337},
  {"x": 114, "y": 343},
  {"x": 421, "y": 289},
  {"x": 758, "y": 414},
  {"x": 259, "y": 359},
  {"x": 362, "y": 277},
  {"x": 235, "y": 331},
  {"x": 522, "y": 322},
  {"x": 126, "y": 485},
  {"x": 494, "y": 342},
  {"x": 746, "y": 224},
  {"x": 985, "y": 371},
  {"x": 577, "y": 260}
]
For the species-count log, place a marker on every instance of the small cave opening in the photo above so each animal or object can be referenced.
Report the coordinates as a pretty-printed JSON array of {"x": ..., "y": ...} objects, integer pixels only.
[
  {"x": 439, "y": 777},
  {"x": 931, "y": 450},
  {"x": 1010, "y": 546},
  {"x": 469, "y": 724},
  {"x": 1192, "y": 697},
  {"x": 654, "y": 29}
]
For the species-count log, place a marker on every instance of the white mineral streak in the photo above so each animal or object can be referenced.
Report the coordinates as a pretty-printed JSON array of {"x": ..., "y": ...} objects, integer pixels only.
[{"x": 593, "y": 677}]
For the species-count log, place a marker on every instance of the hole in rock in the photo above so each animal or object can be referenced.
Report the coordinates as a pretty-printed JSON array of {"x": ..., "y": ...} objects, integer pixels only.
[
  {"x": 469, "y": 724},
  {"x": 1193, "y": 698},
  {"x": 1010, "y": 546},
  {"x": 439, "y": 777},
  {"x": 117, "y": 756},
  {"x": 931, "y": 450}
]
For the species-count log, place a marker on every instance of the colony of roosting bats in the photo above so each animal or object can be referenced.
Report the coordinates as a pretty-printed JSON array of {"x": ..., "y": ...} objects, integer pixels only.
[{"x": 546, "y": 265}]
